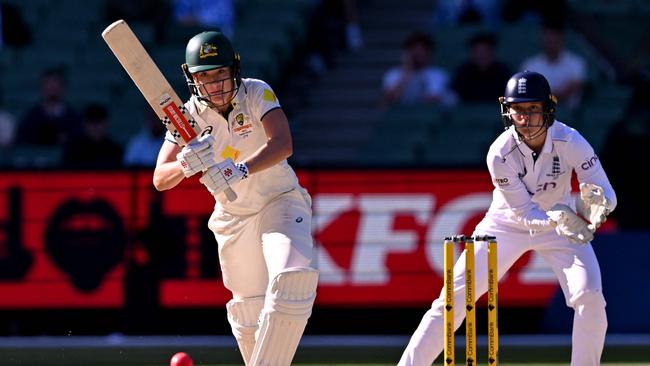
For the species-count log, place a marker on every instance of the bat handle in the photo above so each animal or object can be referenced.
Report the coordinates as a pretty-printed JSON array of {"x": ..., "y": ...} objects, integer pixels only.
[{"x": 230, "y": 194}]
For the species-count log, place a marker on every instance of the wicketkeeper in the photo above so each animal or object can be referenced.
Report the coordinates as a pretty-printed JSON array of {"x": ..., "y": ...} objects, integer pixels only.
[{"x": 531, "y": 164}]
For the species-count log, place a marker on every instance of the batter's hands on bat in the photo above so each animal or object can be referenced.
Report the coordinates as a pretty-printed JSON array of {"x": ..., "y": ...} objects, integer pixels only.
[
  {"x": 569, "y": 225},
  {"x": 224, "y": 174},
  {"x": 197, "y": 156},
  {"x": 593, "y": 205}
]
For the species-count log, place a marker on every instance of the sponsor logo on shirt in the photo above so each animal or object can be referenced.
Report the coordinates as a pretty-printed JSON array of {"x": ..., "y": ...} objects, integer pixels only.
[
  {"x": 206, "y": 131},
  {"x": 242, "y": 128},
  {"x": 546, "y": 186},
  {"x": 502, "y": 182},
  {"x": 589, "y": 163}
]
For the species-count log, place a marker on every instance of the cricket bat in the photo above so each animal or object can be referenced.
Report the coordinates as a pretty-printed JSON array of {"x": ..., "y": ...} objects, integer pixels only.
[{"x": 152, "y": 84}]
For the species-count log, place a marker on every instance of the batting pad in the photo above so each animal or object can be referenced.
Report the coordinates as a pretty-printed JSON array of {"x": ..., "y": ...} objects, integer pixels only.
[
  {"x": 289, "y": 301},
  {"x": 243, "y": 315}
]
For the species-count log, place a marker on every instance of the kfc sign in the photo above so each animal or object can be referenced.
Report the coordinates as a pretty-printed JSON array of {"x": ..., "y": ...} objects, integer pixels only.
[
  {"x": 396, "y": 228},
  {"x": 92, "y": 240}
]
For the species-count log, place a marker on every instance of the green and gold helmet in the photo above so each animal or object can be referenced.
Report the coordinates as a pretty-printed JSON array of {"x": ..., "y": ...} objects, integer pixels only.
[{"x": 208, "y": 51}]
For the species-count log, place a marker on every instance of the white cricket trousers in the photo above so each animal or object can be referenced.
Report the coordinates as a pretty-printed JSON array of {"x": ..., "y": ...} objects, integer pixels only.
[
  {"x": 576, "y": 269},
  {"x": 254, "y": 248}
]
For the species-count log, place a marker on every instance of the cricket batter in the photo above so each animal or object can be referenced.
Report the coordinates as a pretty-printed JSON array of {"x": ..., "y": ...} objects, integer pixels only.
[
  {"x": 531, "y": 164},
  {"x": 264, "y": 236}
]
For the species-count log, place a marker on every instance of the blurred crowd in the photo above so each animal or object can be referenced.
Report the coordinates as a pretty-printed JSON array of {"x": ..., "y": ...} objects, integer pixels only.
[
  {"x": 82, "y": 133},
  {"x": 482, "y": 76}
]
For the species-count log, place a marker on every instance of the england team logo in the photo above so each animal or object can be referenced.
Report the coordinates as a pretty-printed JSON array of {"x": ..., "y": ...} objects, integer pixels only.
[{"x": 521, "y": 86}]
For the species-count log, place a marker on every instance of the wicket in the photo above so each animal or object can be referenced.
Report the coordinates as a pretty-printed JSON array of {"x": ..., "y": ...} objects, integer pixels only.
[{"x": 470, "y": 301}]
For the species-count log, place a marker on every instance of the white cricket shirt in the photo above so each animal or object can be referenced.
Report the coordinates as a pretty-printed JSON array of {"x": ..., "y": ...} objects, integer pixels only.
[
  {"x": 526, "y": 187},
  {"x": 239, "y": 137}
]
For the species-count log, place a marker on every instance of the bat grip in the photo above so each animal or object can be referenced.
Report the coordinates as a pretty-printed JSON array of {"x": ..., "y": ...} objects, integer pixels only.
[{"x": 230, "y": 194}]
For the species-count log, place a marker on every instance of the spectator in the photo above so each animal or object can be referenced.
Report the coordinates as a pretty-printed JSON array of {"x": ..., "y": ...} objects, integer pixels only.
[
  {"x": 481, "y": 77},
  {"x": 333, "y": 27},
  {"x": 416, "y": 81},
  {"x": 93, "y": 148},
  {"x": 353, "y": 35},
  {"x": 142, "y": 149},
  {"x": 564, "y": 70},
  {"x": 14, "y": 31},
  {"x": 52, "y": 121},
  {"x": 7, "y": 130},
  {"x": 206, "y": 13}
]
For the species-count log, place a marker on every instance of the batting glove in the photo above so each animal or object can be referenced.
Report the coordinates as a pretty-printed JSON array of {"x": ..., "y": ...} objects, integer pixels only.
[
  {"x": 197, "y": 156},
  {"x": 593, "y": 205},
  {"x": 569, "y": 225},
  {"x": 224, "y": 174}
]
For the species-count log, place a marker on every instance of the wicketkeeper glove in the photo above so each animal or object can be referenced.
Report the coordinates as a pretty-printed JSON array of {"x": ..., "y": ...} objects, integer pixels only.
[
  {"x": 593, "y": 205},
  {"x": 197, "y": 156},
  {"x": 224, "y": 174},
  {"x": 569, "y": 225}
]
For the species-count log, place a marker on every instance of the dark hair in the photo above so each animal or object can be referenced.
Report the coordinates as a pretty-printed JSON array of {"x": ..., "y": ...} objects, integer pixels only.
[
  {"x": 419, "y": 38},
  {"x": 57, "y": 71},
  {"x": 95, "y": 112},
  {"x": 557, "y": 25},
  {"x": 483, "y": 37}
]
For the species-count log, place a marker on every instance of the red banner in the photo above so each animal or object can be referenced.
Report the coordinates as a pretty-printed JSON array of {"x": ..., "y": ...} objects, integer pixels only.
[{"x": 96, "y": 240}]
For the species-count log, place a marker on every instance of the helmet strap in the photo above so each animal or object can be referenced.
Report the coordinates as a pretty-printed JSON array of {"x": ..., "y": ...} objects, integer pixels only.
[{"x": 189, "y": 80}]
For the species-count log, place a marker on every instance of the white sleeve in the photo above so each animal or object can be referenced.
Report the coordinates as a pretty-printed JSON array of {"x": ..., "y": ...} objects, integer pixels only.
[
  {"x": 505, "y": 178},
  {"x": 263, "y": 99},
  {"x": 587, "y": 166}
]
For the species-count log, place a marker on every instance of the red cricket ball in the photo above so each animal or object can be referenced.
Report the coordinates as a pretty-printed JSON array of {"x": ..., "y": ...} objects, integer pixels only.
[{"x": 181, "y": 359}]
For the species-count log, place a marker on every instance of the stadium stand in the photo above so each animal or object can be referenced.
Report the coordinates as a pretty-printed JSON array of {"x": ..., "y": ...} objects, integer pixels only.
[
  {"x": 69, "y": 35},
  {"x": 337, "y": 102},
  {"x": 339, "y": 121}
]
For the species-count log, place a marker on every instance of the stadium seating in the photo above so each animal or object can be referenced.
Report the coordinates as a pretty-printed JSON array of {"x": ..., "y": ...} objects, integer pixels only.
[
  {"x": 69, "y": 35},
  {"x": 341, "y": 121}
]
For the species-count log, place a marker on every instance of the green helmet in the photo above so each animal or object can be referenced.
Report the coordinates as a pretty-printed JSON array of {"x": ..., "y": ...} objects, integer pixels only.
[
  {"x": 207, "y": 51},
  {"x": 210, "y": 50}
]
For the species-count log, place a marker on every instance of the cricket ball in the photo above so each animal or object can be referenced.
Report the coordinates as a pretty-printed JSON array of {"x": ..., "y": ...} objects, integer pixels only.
[{"x": 181, "y": 359}]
